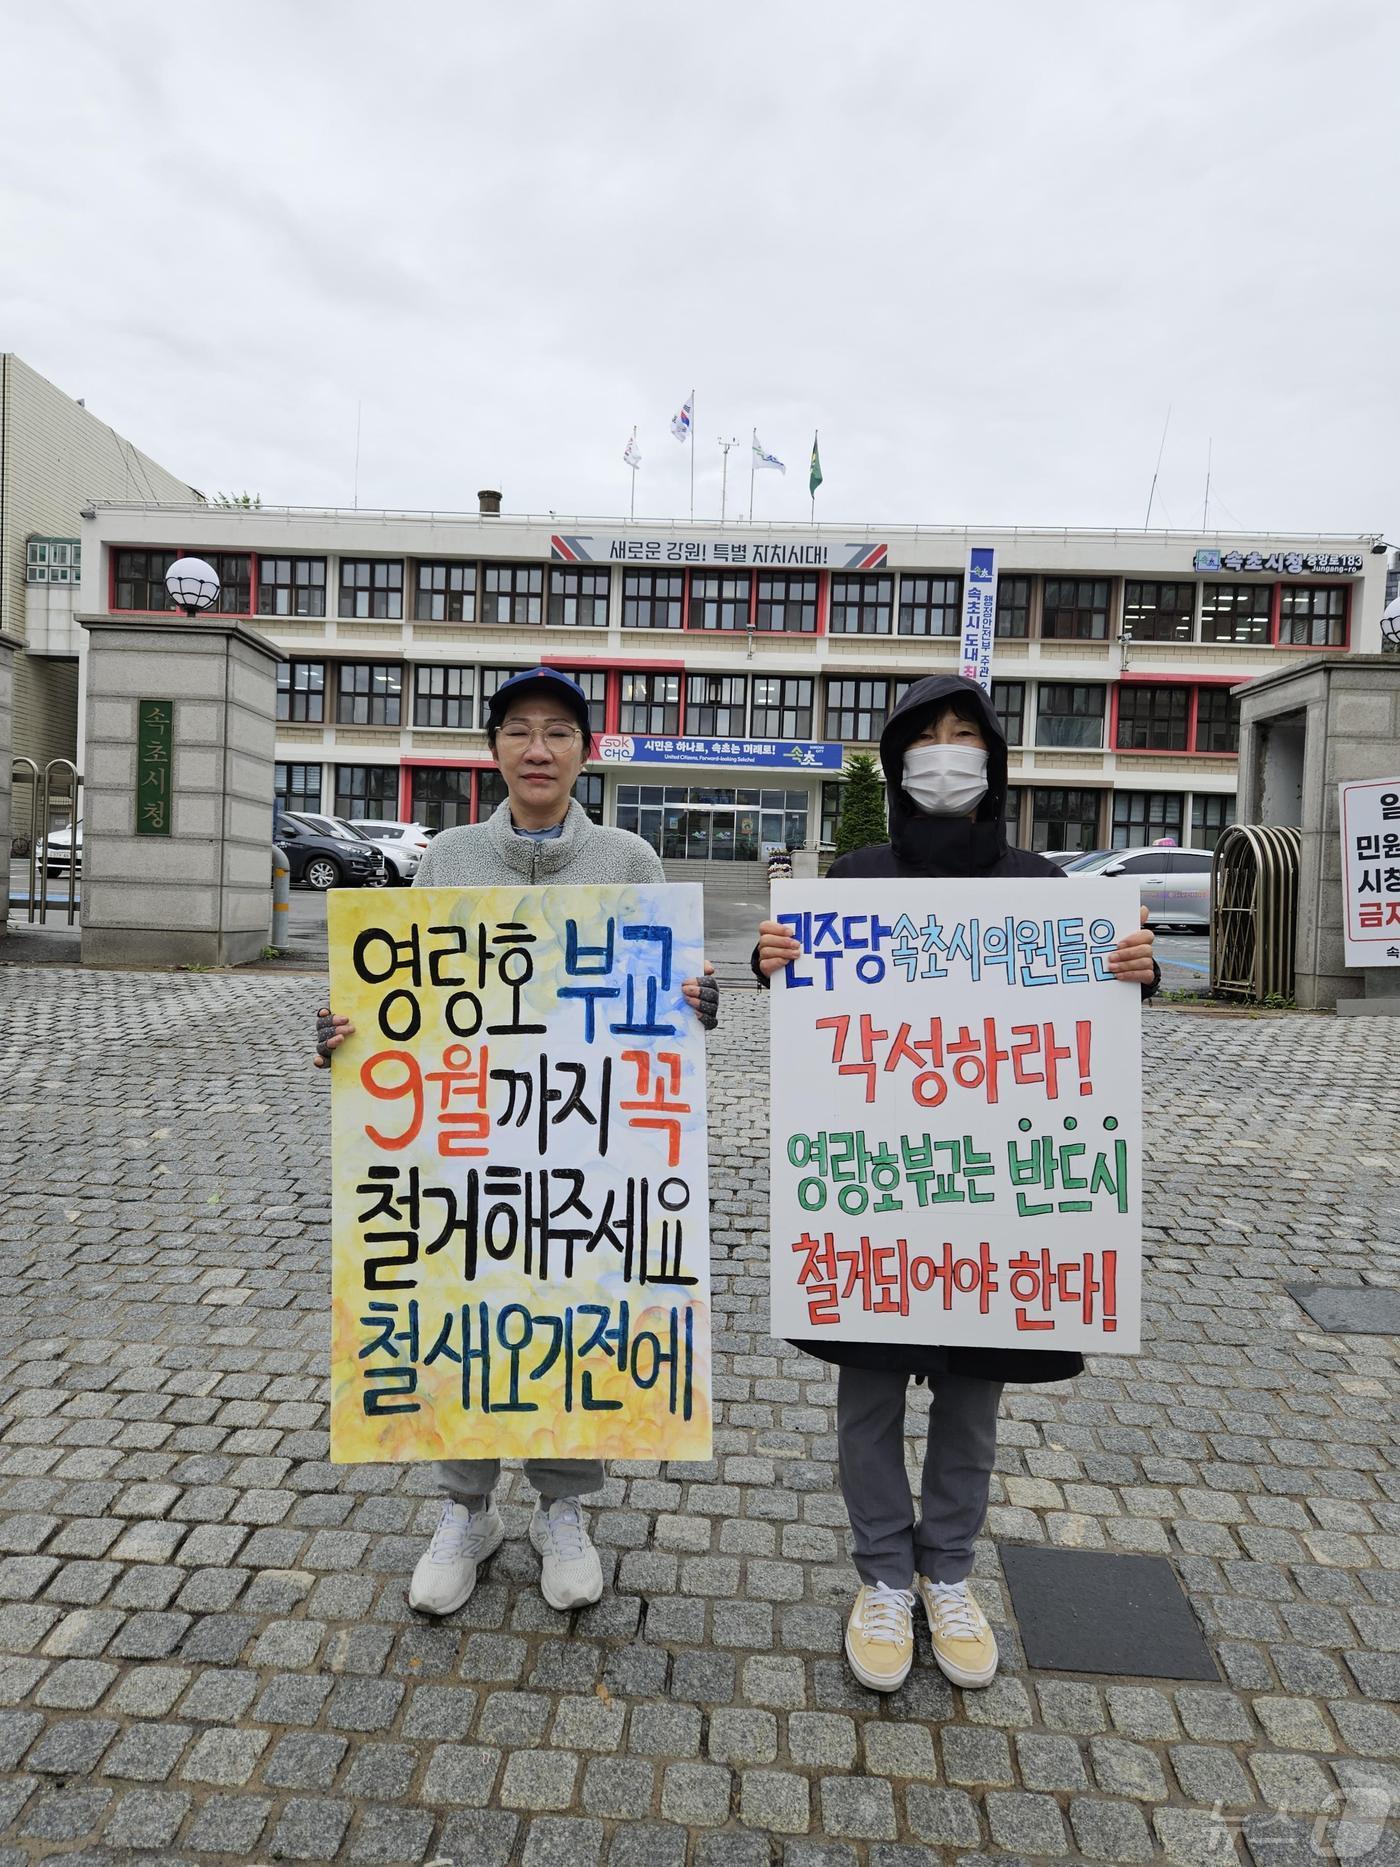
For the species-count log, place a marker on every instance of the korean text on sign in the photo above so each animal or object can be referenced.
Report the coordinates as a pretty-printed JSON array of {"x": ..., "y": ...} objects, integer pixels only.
[
  {"x": 956, "y": 1115},
  {"x": 520, "y": 1217},
  {"x": 1369, "y": 813}
]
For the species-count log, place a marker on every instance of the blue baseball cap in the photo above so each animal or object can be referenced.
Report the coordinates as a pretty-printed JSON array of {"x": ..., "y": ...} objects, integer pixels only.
[{"x": 545, "y": 684}]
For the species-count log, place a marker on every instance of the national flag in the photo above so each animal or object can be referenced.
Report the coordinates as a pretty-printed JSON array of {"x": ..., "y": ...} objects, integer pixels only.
[
  {"x": 762, "y": 460},
  {"x": 680, "y": 422},
  {"x": 630, "y": 454},
  {"x": 815, "y": 477}
]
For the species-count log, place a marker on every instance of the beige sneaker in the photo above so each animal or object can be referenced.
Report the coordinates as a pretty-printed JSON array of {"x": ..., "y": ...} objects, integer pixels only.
[
  {"x": 880, "y": 1636},
  {"x": 963, "y": 1643}
]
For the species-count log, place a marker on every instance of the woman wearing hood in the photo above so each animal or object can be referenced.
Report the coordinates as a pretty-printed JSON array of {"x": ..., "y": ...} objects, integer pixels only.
[{"x": 944, "y": 758}]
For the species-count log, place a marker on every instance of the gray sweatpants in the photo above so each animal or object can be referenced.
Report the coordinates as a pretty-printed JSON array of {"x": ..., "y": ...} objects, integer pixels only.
[
  {"x": 962, "y": 1446},
  {"x": 469, "y": 1480}
]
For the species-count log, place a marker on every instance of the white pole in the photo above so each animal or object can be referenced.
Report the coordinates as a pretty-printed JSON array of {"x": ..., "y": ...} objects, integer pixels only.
[
  {"x": 692, "y": 456},
  {"x": 753, "y": 456}
]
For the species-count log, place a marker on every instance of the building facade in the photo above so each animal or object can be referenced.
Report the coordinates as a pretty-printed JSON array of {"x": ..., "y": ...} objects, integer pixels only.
[
  {"x": 56, "y": 458},
  {"x": 733, "y": 670}
]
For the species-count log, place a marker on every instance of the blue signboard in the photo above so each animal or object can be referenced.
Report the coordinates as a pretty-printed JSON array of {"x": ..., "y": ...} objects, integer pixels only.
[{"x": 734, "y": 754}]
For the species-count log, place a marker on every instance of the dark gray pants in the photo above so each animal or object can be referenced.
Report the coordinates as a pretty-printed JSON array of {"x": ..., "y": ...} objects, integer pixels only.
[
  {"x": 466, "y": 1481},
  {"x": 962, "y": 1447}
]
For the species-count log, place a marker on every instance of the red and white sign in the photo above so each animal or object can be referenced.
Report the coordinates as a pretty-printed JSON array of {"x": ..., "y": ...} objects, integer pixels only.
[{"x": 1370, "y": 819}]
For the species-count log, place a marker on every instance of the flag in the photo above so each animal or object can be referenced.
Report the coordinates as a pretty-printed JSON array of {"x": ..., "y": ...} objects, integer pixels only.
[
  {"x": 630, "y": 454},
  {"x": 680, "y": 422},
  {"x": 761, "y": 460},
  {"x": 815, "y": 478}
]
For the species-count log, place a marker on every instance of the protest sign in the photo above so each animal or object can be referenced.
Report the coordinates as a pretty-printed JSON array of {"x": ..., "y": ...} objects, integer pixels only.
[
  {"x": 956, "y": 1115},
  {"x": 520, "y": 1236},
  {"x": 1370, "y": 820}
]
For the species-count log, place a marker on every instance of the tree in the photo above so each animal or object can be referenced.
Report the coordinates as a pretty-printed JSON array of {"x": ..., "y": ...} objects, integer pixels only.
[
  {"x": 238, "y": 502},
  {"x": 862, "y": 817}
]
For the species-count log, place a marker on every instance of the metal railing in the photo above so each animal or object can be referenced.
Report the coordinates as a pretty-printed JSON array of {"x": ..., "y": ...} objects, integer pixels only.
[
  {"x": 45, "y": 798},
  {"x": 1254, "y": 912}
]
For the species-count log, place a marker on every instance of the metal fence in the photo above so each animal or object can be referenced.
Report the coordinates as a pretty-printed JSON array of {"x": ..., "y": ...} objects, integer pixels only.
[
  {"x": 1254, "y": 912},
  {"x": 54, "y": 792}
]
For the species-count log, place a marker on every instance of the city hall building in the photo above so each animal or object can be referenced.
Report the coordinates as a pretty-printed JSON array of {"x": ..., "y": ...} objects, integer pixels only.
[{"x": 733, "y": 670}]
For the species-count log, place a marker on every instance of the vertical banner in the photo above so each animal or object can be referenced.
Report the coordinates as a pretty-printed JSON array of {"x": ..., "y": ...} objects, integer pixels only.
[
  {"x": 957, "y": 1115},
  {"x": 1370, "y": 820},
  {"x": 155, "y": 727},
  {"x": 520, "y": 1216},
  {"x": 979, "y": 616}
]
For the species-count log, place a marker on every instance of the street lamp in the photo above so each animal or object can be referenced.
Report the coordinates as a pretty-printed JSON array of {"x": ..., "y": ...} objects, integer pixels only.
[
  {"x": 193, "y": 585},
  {"x": 1390, "y": 627}
]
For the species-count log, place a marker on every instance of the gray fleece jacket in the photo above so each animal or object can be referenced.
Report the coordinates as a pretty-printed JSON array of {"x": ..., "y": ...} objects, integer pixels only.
[{"x": 491, "y": 855}]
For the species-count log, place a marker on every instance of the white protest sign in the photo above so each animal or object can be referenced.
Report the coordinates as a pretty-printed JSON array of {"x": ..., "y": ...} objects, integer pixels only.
[
  {"x": 957, "y": 1115},
  {"x": 1370, "y": 820}
]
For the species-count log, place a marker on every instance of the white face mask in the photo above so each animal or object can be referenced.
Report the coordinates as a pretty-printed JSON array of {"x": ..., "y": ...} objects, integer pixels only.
[{"x": 946, "y": 781}]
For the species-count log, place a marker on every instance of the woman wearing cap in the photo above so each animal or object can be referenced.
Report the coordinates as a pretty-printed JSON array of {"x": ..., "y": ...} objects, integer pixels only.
[
  {"x": 540, "y": 735},
  {"x": 944, "y": 756}
]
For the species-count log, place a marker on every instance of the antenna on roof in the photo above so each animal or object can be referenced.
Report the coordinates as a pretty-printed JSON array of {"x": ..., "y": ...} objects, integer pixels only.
[
  {"x": 356, "y": 496},
  {"x": 1158, "y": 468},
  {"x": 1205, "y": 509}
]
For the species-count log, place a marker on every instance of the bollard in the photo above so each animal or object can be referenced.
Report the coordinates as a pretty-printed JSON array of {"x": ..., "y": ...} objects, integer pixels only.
[{"x": 281, "y": 898}]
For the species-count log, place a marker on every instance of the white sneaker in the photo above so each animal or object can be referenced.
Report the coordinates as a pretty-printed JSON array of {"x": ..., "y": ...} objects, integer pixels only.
[
  {"x": 571, "y": 1575},
  {"x": 880, "y": 1636},
  {"x": 963, "y": 1643},
  {"x": 446, "y": 1571}
]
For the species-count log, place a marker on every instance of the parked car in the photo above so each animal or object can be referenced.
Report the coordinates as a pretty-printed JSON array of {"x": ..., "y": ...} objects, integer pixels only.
[
  {"x": 1175, "y": 883},
  {"x": 1085, "y": 859},
  {"x": 323, "y": 853},
  {"x": 1062, "y": 858},
  {"x": 60, "y": 850},
  {"x": 402, "y": 845}
]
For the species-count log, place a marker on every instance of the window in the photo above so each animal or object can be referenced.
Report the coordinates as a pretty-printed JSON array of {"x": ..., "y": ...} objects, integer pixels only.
[
  {"x": 714, "y": 705},
  {"x": 371, "y": 587},
  {"x": 442, "y": 697},
  {"x": 298, "y": 787},
  {"x": 831, "y": 809},
  {"x": 782, "y": 707},
  {"x": 651, "y": 703},
  {"x": 1064, "y": 819},
  {"x": 1235, "y": 612},
  {"x": 491, "y": 679},
  {"x": 930, "y": 605},
  {"x": 787, "y": 605},
  {"x": 1067, "y": 714},
  {"x": 235, "y": 588},
  {"x": 589, "y": 792},
  {"x": 53, "y": 560},
  {"x": 1013, "y": 606},
  {"x": 594, "y": 682},
  {"x": 291, "y": 586},
  {"x": 1217, "y": 720},
  {"x": 651, "y": 599},
  {"x": 1009, "y": 705},
  {"x": 1153, "y": 718},
  {"x": 441, "y": 799},
  {"x": 719, "y": 602},
  {"x": 140, "y": 580},
  {"x": 856, "y": 709},
  {"x": 1011, "y": 814},
  {"x": 367, "y": 791},
  {"x": 1159, "y": 612},
  {"x": 1075, "y": 607},
  {"x": 446, "y": 593},
  {"x": 301, "y": 692},
  {"x": 578, "y": 599},
  {"x": 490, "y": 794},
  {"x": 1211, "y": 817},
  {"x": 1310, "y": 617},
  {"x": 513, "y": 593},
  {"x": 861, "y": 605},
  {"x": 1144, "y": 816},
  {"x": 369, "y": 696}
]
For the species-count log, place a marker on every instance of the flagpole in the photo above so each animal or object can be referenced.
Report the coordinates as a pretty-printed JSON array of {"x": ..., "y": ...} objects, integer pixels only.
[
  {"x": 813, "y": 489},
  {"x": 753, "y": 457},
  {"x": 632, "y": 504},
  {"x": 692, "y": 456}
]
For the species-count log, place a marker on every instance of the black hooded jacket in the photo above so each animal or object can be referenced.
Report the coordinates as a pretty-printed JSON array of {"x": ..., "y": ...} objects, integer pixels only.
[{"x": 946, "y": 846}]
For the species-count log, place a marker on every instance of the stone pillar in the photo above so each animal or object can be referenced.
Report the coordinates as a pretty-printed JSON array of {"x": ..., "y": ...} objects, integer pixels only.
[
  {"x": 200, "y": 895},
  {"x": 8, "y": 644}
]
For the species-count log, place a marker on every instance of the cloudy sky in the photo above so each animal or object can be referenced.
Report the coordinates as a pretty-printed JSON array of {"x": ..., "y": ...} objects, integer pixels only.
[{"x": 983, "y": 248}]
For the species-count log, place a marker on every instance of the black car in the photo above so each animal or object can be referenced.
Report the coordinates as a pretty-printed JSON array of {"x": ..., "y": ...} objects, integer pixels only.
[{"x": 324, "y": 854}]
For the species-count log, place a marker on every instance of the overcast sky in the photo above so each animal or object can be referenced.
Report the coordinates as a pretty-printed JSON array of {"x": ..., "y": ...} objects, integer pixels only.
[{"x": 982, "y": 247}]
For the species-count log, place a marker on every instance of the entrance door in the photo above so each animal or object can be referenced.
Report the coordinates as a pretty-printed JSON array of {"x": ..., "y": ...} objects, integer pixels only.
[
  {"x": 697, "y": 835},
  {"x": 722, "y": 836}
]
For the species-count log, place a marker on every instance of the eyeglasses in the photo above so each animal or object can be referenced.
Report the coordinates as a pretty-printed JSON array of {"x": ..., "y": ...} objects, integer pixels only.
[{"x": 557, "y": 737}]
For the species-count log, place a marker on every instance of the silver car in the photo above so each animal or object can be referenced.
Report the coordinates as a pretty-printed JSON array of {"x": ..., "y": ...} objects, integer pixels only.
[
  {"x": 400, "y": 844},
  {"x": 1175, "y": 883}
]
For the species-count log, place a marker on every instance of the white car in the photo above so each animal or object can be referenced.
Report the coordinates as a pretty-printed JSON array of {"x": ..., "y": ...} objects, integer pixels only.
[
  {"x": 60, "y": 850},
  {"x": 401, "y": 845},
  {"x": 1175, "y": 883}
]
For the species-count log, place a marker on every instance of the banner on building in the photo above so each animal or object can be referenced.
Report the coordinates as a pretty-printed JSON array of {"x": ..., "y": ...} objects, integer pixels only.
[
  {"x": 520, "y": 1242},
  {"x": 1370, "y": 821},
  {"x": 794, "y": 755},
  {"x": 796, "y": 554},
  {"x": 956, "y": 1115},
  {"x": 979, "y": 616}
]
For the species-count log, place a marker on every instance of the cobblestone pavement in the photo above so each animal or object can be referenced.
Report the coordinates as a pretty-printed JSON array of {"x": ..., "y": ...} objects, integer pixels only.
[{"x": 205, "y": 1651}]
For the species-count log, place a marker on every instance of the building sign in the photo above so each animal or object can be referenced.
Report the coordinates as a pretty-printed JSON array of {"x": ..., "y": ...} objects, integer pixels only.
[
  {"x": 979, "y": 616},
  {"x": 726, "y": 552},
  {"x": 1370, "y": 819},
  {"x": 956, "y": 1116},
  {"x": 520, "y": 1203},
  {"x": 155, "y": 724},
  {"x": 1282, "y": 563},
  {"x": 736, "y": 754}
]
